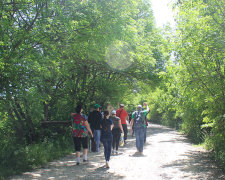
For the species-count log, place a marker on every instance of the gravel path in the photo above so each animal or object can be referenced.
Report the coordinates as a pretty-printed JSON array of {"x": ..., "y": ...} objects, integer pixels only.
[{"x": 167, "y": 155}]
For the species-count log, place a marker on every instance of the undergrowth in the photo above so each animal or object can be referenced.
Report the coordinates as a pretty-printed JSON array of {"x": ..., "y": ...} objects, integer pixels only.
[{"x": 17, "y": 159}]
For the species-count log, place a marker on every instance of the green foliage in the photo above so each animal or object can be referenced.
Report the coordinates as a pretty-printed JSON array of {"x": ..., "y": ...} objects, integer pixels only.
[
  {"x": 54, "y": 54},
  {"x": 193, "y": 84},
  {"x": 16, "y": 159},
  {"x": 190, "y": 95},
  {"x": 200, "y": 52},
  {"x": 58, "y": 57}
]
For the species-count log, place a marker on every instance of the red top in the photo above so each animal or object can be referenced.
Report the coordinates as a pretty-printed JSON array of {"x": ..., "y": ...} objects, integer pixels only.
[{"x": 122, "y": 114}]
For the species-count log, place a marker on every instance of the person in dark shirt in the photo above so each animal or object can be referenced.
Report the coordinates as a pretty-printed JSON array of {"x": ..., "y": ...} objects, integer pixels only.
[
  {"x": 106, "y": 136},
  {"x": 92, "y": 140},
  {"x": 95, "y": 122}
]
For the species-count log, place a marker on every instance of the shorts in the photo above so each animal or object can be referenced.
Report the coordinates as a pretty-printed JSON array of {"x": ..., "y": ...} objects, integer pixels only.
[{"x": 78, "y": 141}]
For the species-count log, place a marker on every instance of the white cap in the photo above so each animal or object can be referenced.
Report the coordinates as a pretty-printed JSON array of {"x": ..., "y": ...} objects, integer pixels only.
[
  {"x": 113, "y": 112},
  {"x": 139, "y": 106}
]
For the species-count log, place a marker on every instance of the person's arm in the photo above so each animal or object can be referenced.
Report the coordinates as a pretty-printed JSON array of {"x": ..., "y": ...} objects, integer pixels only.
[
  {"x": 127, "y": 117},
  {"x": 109, "y": 108},
  {"x": 90, "y": 118},
  {"x": 88, "y": 128},
  {"x": 121, "y": 127},
  {"x": 117, "y": 112},
  {"x": 112, "y": 125},
  {"x": 147, "y": 107},
  {"x": 100, "y": 119},
  {"x": 131, "y": 125}
]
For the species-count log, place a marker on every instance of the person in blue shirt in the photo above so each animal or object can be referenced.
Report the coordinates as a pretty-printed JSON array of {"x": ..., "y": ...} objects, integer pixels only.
[{"x": 106, "y": 136}]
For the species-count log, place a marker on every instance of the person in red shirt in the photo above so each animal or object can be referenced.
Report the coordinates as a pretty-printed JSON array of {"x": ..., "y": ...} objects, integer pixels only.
[{"x": 122, "y": 114}]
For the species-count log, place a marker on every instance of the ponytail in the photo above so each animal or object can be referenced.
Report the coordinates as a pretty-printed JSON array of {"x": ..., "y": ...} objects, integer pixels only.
[{"x": 104, "y": 124}]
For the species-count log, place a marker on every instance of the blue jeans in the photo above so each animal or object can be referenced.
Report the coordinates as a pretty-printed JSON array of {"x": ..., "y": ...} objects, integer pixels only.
[
  {"x": 97, "y": 136},
  {"x": 107, "y": 143},
  {"x": 139, "y": 133}
]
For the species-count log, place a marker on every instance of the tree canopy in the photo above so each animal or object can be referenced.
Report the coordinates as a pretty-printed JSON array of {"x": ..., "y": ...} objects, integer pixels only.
[{"x": 56, "y": 54}]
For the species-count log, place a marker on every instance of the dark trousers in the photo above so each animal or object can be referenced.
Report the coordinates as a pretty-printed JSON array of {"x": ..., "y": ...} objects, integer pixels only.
[
  {"x": 116, "y": 138},
  {"x": 107, "y": 143},
  {"x": 125, "y": 131}
]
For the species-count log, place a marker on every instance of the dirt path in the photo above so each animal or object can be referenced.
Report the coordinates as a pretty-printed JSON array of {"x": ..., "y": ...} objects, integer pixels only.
[{"x": 167, "y": 155}]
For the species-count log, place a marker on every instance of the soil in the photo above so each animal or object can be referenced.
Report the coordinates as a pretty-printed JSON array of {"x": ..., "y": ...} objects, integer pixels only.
[{"x": 167, "y": 155}]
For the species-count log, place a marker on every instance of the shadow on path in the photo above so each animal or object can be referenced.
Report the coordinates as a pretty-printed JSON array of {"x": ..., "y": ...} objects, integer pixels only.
[
  {"x": 167, "y": 155},
  {"x": 197, "y": 163}
]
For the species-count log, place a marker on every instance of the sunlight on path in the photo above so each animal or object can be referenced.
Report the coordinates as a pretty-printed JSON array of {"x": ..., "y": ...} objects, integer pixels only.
[{"x": 167, "y": 155}]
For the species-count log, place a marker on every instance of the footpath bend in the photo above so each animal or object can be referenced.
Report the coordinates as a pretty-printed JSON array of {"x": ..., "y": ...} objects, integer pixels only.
[{"x": 168, "y": 155}]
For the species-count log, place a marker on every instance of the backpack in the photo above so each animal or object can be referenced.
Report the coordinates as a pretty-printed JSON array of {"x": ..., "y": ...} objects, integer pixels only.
[{"x": 139, "y": 119}]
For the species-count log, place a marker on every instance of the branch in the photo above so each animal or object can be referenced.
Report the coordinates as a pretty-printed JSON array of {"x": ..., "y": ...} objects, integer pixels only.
[{"x": 49, "y": 123}]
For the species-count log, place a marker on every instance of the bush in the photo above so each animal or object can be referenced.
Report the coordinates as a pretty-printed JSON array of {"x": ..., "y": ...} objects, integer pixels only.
[{"x": 16, "y": 158}]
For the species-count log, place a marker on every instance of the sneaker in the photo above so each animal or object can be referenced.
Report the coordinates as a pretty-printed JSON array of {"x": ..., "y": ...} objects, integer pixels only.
[
  {"x": 137, "y": 152},
  {"x": 85, "y": 161},
  {"x": 107, "y": 164},
  {"x": 112, "y": 152},
  {"x": 117, "y": 152}
]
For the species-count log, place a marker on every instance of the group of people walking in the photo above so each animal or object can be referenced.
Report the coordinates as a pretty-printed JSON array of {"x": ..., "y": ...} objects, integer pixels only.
[{"x": 106, "y": 127}]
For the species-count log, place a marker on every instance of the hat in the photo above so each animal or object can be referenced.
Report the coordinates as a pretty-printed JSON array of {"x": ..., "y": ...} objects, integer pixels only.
[
  {"x": 113, "y": 112},
  {"x": 121, "y": 105},
  {"x": 139, "y": 106},
  {"x": 97, "y": 106}
]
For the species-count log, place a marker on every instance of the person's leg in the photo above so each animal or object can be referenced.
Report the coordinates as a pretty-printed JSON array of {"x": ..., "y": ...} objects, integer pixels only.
[
  {"x": 77, "y": 145},
  {"x": 97, "y": 139},
  {"x": 133, "y": 131},
  {"x": 145, "y": 131},
  {"x": 114, "y": 139},
  {"x": 85, "y": 148},
  {"x": 109, "y": 146},
  {"x": 117, "y": 140},
  {"x": 137, "y": 134},
  {"x": 91, "y": 141},
  {"x": 108, "y": 152},
  {"x": 104, "y": 142},
  {"x": 95, "y": 135},
  {"x": 125, "y": 131},
  {"x": 141, "y": 135}
]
